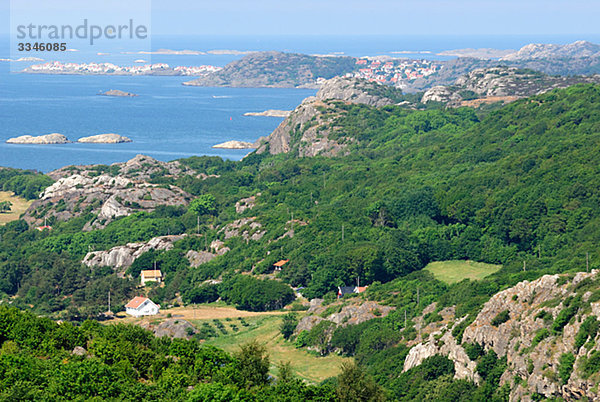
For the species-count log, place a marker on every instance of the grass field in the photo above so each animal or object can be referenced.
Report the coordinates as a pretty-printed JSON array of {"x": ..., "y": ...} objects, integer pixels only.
[
  {"x": 19, "y": 205},
  {"x": 200, "y": 312},
  {"x": 455, "y": 271},
  {"x": 235, "y": 327},
  {"x": 265, "y": 329}
]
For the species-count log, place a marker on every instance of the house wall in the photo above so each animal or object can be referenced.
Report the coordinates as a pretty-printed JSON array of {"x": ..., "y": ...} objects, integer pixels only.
[{"x": 146, "y": 308}]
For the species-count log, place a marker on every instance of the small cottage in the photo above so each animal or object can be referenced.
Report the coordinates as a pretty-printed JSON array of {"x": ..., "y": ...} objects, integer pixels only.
[
  {"x": 346, "y": 290},
  {"x": 279, "y": 264},
  {"x": 151, "y": 275},
  {"x": 140, "y": 306}
]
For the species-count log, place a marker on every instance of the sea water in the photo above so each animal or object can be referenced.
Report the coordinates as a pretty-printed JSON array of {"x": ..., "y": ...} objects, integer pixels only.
[{"x": 169, "y": 120}]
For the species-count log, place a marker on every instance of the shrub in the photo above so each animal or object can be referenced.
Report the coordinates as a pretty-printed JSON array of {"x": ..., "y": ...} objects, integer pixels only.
[
  {"x": 565, "y": 366},
  {"x": 501, "y": 318}
]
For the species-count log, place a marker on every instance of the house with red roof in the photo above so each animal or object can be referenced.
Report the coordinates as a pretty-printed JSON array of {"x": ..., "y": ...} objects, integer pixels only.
[
  {"x": 279, "y": 264},
  {"x": 140, "y": 306}
]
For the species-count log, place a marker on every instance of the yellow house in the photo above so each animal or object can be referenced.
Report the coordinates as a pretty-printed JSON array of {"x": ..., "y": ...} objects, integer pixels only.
[{"x": 151, "y": 275}]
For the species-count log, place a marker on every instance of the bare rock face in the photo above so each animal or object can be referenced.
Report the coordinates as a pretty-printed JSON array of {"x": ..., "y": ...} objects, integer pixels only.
[
  {"x": 437, "y": 94},
  {"x": 123, "y": 256},
  {"x": 310, "y": 137},
  {"x": 248, "y": 228},
  {"x": 118, "y": 92},
  {"x": 110, "y": 138},
  {"x": 505, "y": 83},
  {"x": 356, "y": 90},
  {"x": 447, "y": 346},
  {"x": 352, "y": 314},
  {"x": 234, "y": 145},
  {"x": 173, "y": 328},
  {"x": 578, "y": 49},
  {"x": 218, "y": 247},
  {"x": 54, "y": 138},
  {"x": 304, "y": 128},
  {"x": 246, "y": 204},
  {"x": 109, "y": 191},
  {"x": 197, "y": 258},
  {"x": 528, "y": 337}
]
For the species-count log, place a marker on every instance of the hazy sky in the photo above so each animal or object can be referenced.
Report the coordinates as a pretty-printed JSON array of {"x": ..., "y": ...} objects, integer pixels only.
[{"x": 389, "y": 17}]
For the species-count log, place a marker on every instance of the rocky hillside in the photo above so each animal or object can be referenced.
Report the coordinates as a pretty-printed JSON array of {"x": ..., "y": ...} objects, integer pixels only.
[
  {"x": 500, "y": 84},
  {"x": 108, "y": 191},
  {"x": 546, "y": 329},
  {"x": 306, "y": 131},
  {"x": 277, "y": 70},
  {"x": 578, "y": 49},
  {"x": 357, "y": 90}
]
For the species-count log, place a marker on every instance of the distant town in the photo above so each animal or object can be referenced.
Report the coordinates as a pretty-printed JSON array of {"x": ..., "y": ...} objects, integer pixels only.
[
  {"x": 395, "y": 71},
  {"x": 389, "y": 72},
  {"x": 56, "y": 67}
]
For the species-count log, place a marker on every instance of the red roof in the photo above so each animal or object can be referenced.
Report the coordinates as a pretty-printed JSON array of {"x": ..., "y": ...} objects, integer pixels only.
[
  {"x": 136, "y": 302},
  {"x": 281, "y": 263},
  {"x": 360, "y": 289}
]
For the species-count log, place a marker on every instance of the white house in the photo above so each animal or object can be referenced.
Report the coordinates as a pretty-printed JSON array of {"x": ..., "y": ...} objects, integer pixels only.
[
  {"x": 151, "y": 275},
  {"x": 139, "y": 306}
]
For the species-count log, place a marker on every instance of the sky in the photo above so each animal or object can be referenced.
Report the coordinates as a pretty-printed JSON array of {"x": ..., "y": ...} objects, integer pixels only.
[{"x": 333, "y": 17}]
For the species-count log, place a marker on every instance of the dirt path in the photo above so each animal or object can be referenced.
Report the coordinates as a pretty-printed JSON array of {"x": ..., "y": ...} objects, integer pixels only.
[{"x": 200, "y": 312}]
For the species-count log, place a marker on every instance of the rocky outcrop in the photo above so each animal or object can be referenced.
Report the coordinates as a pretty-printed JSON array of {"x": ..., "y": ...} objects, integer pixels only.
[
  {"x": 197, "y": 258},
  {"x": 234, "y": 145},
  {"x": 446, "y": 345},
  {"x": 172, "y": 327},
  {"x": 247, "y": 228},
  {"x": 276, "y": 70},
  {"x": 520, "y": 323},
  {"x": 47, "y": 139},
  {"x": 123, "y": 256},
  {"x": 270, "y": 113},
  {"x": 108, "y": 191},
  {"x": 440, "y": 93},
  {"x": 246, "y": 204},
  {"x": 578, "y": 49},
  {"x": 117, "y": 92},
  {"x": 351, "y": 314},
  {"x": 356, "y": 90},
  {"x": 307, "y": 130},
  {"x": 110, "y": 138},
  {"x": 502, "y": 83},
  {"x": 310, "y": 137}
]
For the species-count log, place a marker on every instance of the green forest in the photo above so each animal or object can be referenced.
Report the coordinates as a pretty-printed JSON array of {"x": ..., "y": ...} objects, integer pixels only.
[{"x": 518, "y": 186}]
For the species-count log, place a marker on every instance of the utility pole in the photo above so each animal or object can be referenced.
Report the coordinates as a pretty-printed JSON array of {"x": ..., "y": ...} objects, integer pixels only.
[
  {"x": 405, "y": 320},
  {"x": 342, "y": 233},
  {"x": 198, "y": 227},
  {"x": 418, "y": 297},
  {"x": 587, "y": 261},
  {"x": 524, "y": 266},
  {"x": 539, "y": 251},
  {"x": 109, "y": 301}
]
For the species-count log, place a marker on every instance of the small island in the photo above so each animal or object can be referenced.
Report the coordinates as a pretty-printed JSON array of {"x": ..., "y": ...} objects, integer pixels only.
[
  {"x": 235, "y": 145},
  {"x": 116, "y": 92},
  {"x": 270, "y": 113},
  {"x": 109, "y": 138},
  {"x": 47, "y": 139}
]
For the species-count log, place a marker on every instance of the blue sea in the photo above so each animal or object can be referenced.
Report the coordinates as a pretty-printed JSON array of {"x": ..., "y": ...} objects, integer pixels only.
[{"x": 168, "y": 120}]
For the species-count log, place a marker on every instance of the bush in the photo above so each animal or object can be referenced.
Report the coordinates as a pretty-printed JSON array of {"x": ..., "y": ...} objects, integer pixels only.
[
  {"x": 252, "y": 294},
  {"x": 588, "y": 330},
  {"x": 565, "y": 366},
  {"x": 501, "y": 318}
]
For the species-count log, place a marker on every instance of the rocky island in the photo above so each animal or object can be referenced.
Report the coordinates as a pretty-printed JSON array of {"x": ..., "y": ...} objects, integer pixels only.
[
  {"x": 110, "y": 138},
  {"x": 235, "y": 145},
  {"x": 270, "y": 113},
  {"x": 47, "y": 139},
  {"x": 117, "y": 92}
]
